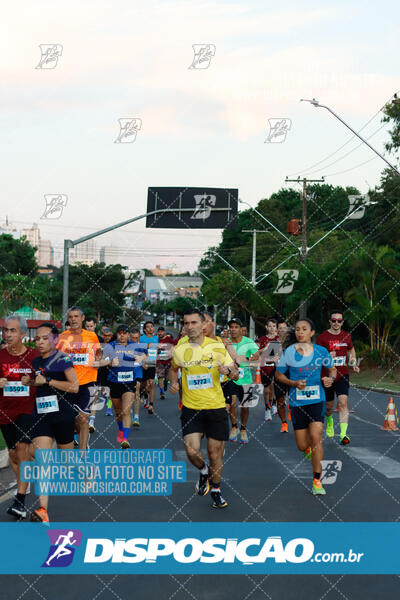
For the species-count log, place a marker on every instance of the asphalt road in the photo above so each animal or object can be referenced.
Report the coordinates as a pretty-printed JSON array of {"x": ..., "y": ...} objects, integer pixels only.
[{"x": 265, "y": 480}]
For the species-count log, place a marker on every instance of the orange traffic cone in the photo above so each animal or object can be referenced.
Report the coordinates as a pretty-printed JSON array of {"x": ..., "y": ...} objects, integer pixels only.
[
  {"x": 391, "y": 418},
  {"x": 257, "y": 378}
]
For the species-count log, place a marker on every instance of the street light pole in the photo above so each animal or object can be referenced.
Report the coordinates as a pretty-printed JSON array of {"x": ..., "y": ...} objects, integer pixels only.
[
  {"x": 253, "y": 270},
  {"x": 68, "y": 244},
  {"x": 315, "y": 103}
]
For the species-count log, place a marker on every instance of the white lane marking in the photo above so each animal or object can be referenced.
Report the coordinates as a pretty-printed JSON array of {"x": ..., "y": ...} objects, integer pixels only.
[
  {"x": 383, "y": 464},
  {"x": 370, "y": 423}
]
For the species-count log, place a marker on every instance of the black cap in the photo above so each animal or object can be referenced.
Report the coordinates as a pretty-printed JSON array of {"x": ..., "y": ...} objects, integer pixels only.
[
  {"x": 235, "y": 320},
  {"x": 124, "y": 328}
]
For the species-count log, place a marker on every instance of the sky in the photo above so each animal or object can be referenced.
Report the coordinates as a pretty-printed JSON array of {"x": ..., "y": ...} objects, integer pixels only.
[{"x": 199, "y": 127}]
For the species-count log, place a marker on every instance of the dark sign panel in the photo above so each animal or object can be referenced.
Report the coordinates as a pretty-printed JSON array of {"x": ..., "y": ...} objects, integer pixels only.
[{"x": 191, "y": 208}]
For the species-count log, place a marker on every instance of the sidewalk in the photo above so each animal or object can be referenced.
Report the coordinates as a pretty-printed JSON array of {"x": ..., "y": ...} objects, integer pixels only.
[{"x": 7, "y": 480}]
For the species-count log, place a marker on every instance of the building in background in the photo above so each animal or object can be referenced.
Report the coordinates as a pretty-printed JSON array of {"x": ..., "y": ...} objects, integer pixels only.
[
  {"x": 171, "y": 287},
  {"x": 44, "y": 252},
  {"x": 85, "y": 253},
  {"x": 109, "y": 255},
  {"x": 160, "y": 272},
  {"x": 9, "y": 229}
]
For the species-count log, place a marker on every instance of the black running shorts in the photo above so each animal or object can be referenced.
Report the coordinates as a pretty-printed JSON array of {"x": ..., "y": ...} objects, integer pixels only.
[
  {"x": 117, "y": 389},
  {"x": 302, "y": 416},
  {"x": 213, "y": 423},
  {"x": 339, "y": 387},
  {"x": 19, "y": 431}
]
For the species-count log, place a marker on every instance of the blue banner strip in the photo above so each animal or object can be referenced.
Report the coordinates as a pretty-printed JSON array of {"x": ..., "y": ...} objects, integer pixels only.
[{"x": 219, "y": 548}]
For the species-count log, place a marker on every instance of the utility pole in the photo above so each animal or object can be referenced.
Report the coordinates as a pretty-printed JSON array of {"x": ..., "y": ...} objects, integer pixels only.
[
  {"x": 253, "y": 270},
  {"x": 303, "y": 252}
]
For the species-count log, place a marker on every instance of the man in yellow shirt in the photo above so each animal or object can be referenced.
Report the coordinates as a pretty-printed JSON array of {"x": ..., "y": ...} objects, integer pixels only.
[{"x": 202, "y": 360}]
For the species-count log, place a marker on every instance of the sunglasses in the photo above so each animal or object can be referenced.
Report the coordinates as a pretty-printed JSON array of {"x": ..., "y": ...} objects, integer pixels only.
[{"x": 336, "y": 320}]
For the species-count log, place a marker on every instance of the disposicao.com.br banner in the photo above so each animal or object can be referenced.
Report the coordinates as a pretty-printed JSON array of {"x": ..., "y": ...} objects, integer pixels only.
[{"x": 219, "y": 548}]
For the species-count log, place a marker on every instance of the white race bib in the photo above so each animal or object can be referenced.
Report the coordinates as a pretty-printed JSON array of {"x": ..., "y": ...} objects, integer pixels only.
[
  {"x": 241, "y": 372},
  {"x": 47, "y": 404},
  {"x": 152, "y": 354},
  {"x": 311, "y": 392},
  {"x": 80, "y": 359},
  {"x": 16, "y": 389},
  {"x": 203, "y": 381},
  {"x": 125, "y": 376},
  {"x": 339, "y": 361}
]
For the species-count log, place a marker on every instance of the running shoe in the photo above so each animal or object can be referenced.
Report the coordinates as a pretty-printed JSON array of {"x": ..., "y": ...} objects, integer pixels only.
[
  {"x": 120, "y": 437},
  {"x": 125, "y": 444},
  {"x": 202, "y": 486},
  {"x": 150, "y": 410},
  {"x": 330, "y": 431},
  {"x": 162, "y": 396},
  {"x": 17, "y": 509},
  {"x": 234, "y": 434},
  {"x": 317, "y": 488},
  {"x": 136, "y": 422},
  {"x": 284, "y": 428},
  {"x": 91, "y": 426},
  {"x": 274, "y": 410},
  {"x": 145, "y": 400},
  {"x": 345, "y": 440},
  {"x": 268, "y": 415},
  {"x": 180, "y": 405},
  {"x": 108, "y": 412},
  {"x": 40, "y": 515},
  {"x": 218, "y": 500},
  {"x": 243, "y": 436},
  {"x": 308, "y": 453}
]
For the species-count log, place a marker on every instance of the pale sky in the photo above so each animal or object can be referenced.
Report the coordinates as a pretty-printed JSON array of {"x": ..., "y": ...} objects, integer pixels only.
[{"x": 200, "y": 127}]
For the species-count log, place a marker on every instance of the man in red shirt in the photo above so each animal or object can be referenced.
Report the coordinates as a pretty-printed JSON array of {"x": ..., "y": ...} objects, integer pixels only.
[
  {"x": 340, "y": 346},
  {"x": 269, "y": 359},
  {"x": 17, "y": 401}
]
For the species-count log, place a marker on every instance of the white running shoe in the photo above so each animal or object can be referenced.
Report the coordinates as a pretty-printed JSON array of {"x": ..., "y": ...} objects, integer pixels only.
[
  {"x": 268, "y": 415},
  {"x": 274, "y": 410}
]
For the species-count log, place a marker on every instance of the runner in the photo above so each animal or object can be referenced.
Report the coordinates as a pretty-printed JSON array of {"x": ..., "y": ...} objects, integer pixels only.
[
  {"x": 304, "y": 361},
  {"x": 163, "y": 364},
  {"x": 269, "y": 360},
  {"x": 125, "y": 370},
  {"x": 340, "y": 346},
  {"x": 17, "y": 400},
  {"x": 202, "y": 360},
  {"x": 134, "y": 336},
  {"x": 90, "y": 325},
  {"x": 102, "y": 373},
  {"x": 244, "y": 350},
  {"x": 83, "y": 347},
  {"x": 280, "y": 389},
  {"x": 149, "y": 374},
  {"x": 54, "y": 417}
]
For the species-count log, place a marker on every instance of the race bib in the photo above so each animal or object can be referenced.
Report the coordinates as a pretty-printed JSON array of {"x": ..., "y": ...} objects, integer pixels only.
[
  {"x": 221, "y": 377},
  {"x": 80, "y": 359},
  {"x": 241, "y": 372},
  {"x": 163, "y": 355},
  {"x": 47, "y": 404},
  {"x": 339, "y": 361},
  {"x": 200, "y": 382},
  {"x": 152, "y": 354},
  {"x": 16, "y": 389},
  {"x": 125, "y": 376},
  {"x": 311, "y": 392}
]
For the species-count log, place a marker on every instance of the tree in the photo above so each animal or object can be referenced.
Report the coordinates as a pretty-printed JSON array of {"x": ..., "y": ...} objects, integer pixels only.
[
  {"x": 16, "y": 256},
  {"x": 97, "y": 289}
]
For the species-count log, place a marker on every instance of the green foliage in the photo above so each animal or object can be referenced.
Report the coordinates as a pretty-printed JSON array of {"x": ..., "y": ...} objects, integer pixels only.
[{"x": 16, "y": 257}]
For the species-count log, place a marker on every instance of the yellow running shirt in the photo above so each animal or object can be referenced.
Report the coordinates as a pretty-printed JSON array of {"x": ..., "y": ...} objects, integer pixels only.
[{"x": 201, "y": 388}]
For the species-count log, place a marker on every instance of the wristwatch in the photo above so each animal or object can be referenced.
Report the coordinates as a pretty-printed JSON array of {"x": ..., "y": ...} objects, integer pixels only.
[
  {"x": 48, "y": 379},
  {"x": 229, "y": 371}
]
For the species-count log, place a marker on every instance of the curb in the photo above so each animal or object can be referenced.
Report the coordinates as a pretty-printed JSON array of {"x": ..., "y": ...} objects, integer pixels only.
[{"x": 374, "y": 389}]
